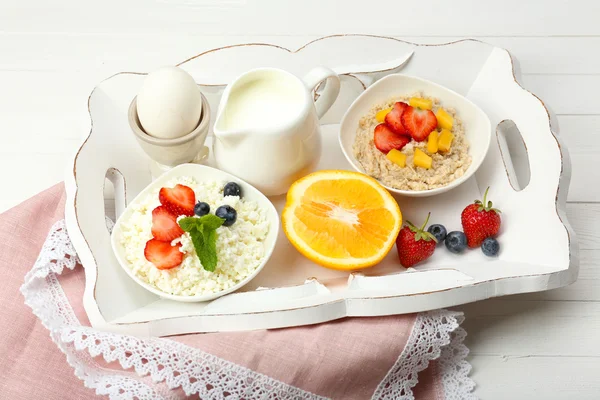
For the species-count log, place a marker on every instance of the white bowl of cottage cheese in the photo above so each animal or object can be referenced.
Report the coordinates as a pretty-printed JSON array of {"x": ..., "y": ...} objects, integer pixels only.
[
  {"x": 411, "y": 163},
  {"x": 155, "y": 252}
]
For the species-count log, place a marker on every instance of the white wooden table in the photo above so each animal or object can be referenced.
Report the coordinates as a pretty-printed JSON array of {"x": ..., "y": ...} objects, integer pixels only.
[{"x": 52, "y": 54}]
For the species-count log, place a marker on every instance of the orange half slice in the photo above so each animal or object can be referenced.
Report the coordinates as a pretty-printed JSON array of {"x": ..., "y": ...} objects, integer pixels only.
[{"x": 341, "y": 219}]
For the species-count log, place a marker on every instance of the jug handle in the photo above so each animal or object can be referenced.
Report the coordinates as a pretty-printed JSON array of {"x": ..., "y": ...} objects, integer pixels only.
[{"x": 314, "y": 78}]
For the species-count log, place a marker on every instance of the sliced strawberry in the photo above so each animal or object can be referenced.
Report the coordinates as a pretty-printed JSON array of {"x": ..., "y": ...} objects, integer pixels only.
[
  {"x": 420, "y": 123},
  {"x": 385, "y": 139},
  {"x": 394, "y": 118},
  {"x": 179, "y": 200},
  {"x": 162, "y": 254},
  {"x": 164, "y": 225}
]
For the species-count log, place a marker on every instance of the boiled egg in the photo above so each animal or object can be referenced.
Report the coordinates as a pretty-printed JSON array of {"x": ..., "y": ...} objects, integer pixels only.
[{"x": 169, "y": 104}]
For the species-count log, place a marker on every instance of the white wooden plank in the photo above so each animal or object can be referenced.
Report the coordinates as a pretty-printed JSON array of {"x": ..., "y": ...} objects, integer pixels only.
[
  {"x": 552, "y": 55},
  {"x": 586, "y": 288},
  {"x": 42, "y": 120},
  {"x": 580, "y": 133},
  {"x": 112, "y": 53},
  {"x": 26, "y": 174},
  {"x": 309, "y": 17},
  {"x": 581, "y": 136},
  {"x": 527, "y": 378},
  {"x": 538, "y": 55},
  {"x": 546, "y": 328},
  {"x": 32, "y": 93},
  {"x": 585, "y": 220},
  {"x": 135, "y": 52},
  {"x": 566, "y": 94}
]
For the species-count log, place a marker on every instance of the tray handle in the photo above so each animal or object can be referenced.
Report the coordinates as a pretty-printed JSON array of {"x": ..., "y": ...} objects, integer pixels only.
[
  {"x": 118, "y": 201},
  {"x": 513, "y": 151}
]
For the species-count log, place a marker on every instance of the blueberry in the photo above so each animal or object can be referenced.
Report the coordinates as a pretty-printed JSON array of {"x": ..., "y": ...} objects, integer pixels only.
[
  {"x": 456, "y": 242},
  {"x": 490, "y": 247},
  {"x": 227, "y": 213},
  {"x": 201, "y": 208},
  {"x": 232, "y": 189},
  {"x": 439, "y": 231}
]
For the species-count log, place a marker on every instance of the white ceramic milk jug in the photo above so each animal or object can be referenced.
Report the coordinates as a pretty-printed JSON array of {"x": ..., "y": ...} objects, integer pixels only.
[{"x": 267, "y": 127}]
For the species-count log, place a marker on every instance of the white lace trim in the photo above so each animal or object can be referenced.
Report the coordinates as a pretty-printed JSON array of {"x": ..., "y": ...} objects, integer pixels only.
[
  {"x": 454, "y": 368},
  {"x": 156, "y": 360},
  {"x": 45, "y": 296},
  {"x": 182, "y": 366},
  {"x": 431, "y": 332}
]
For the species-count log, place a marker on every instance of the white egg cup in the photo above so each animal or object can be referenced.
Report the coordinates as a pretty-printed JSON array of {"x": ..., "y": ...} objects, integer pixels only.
[{"x": 168, "y": 153}]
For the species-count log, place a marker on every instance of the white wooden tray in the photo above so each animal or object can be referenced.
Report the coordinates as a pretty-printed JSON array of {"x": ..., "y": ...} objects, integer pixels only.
[{"x": 529, "y": 175}]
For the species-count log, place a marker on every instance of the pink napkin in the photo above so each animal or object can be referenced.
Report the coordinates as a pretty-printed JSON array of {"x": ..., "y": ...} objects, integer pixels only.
[{"x": 353, "y": 358}]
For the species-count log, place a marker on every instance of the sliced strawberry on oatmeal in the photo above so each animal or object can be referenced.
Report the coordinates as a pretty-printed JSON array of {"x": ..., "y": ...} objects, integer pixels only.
[
  {"x": 179, "y": 200},
  {"x": 420, "y": 123},
  {"x": 164, "y": 225},
  {"x": 394, "y": 118},
  {"x": 162, "y": 254},
  {"x": 385, "y": 139}
]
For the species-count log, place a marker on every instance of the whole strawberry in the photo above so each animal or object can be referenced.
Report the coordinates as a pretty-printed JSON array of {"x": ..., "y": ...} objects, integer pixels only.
[
  {"x": 415, "y": 244},
  {"x": 480, "y": 221}
]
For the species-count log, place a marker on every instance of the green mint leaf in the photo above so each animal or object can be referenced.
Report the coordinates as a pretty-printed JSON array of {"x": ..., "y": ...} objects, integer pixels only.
[
  {"x": 203, "y": 232},
  {"x": 188, "y": 224},
  {"x": 208, "y": 256},
  {"x": 197, "y": 240},
  {"x": 211, "y": 222}
]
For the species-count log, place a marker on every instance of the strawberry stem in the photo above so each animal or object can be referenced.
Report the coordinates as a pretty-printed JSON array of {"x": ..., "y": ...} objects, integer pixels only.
[
  {"x": 421, "y": 233},
  {"x": 425, "y": 223},
  {"x": 486, "y": 205},
  {"x": 485, "y": 194}
]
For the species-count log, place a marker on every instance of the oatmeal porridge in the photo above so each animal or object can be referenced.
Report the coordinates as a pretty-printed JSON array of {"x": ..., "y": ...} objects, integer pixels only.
[{"x": 415, "y": 159}]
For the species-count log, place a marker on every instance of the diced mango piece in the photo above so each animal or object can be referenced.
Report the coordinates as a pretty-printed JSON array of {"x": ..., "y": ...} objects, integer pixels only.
[
  {"x": 397, "y": 157},
  {"x": 432, "y": 142},
  {"x": 380, "y": 116},
  {"x": 445, "y": 141},
  {"x": 423, "y": 104},
  {"x": 445, "y": 120},
  {"x": 422, "y": 160}
]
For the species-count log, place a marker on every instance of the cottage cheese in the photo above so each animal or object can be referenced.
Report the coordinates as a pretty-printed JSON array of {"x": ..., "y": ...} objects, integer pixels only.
[
  {"x": 445, "y": 167},
  {"x": 240, "y": 247}
]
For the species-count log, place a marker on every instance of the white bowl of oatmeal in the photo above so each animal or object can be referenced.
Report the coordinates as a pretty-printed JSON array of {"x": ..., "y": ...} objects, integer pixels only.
[
  {"x": 470, "y": 137},
  {"x": 242, "y": 248}
]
